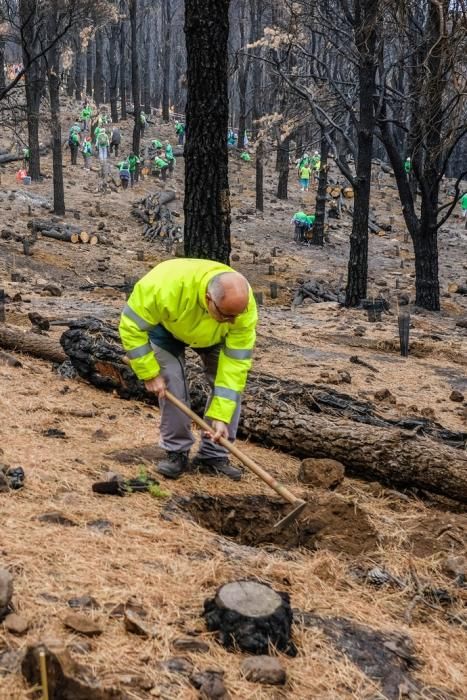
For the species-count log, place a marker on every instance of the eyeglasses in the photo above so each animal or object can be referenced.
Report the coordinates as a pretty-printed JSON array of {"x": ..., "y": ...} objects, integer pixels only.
[{"x": 221, "y": 314}]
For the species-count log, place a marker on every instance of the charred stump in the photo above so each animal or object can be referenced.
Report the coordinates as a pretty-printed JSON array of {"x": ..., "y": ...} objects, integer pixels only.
[{"x": 252, "y": 616}]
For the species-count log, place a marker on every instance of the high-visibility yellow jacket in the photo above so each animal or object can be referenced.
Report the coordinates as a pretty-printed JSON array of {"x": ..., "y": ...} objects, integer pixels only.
[{"x": 173, "y": 294}]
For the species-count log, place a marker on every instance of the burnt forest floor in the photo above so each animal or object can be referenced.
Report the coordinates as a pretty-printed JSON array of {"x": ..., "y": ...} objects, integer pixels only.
[{"x": 169, "y": 554}]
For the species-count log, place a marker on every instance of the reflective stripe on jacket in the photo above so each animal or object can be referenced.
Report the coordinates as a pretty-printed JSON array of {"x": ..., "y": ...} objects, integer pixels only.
[{"x": 174, "y": 294}]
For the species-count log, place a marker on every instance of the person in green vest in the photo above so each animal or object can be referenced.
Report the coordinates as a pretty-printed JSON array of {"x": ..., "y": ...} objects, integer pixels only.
[
  {"x": 102, "y": 144},
  {"x": 303, "y": 224},
  {"x": 160, "y": 167},
  {"x": 246, "y": 156},
  {"x": 304, "y": 178},
  {"x": 26, "y": 158},
  {"x": 86, "y": 150},
  {"x": 103, "y": 119},
  {"x": 408, "y": 166},
  {"x": 208, "y": 306},
  {"x": 180, "y": 131},
  {"x": 156, "y": 144},
  {"x": 169, "y": 156},
  {"x": 463, "y": 203},
  {"x": 124, "y": 172},
  {"x": 305, "y": 160},
  {"x": 85, "y": 116},
  {"x": 133, "y": 162},
  {"x": 73, "y": 143}
]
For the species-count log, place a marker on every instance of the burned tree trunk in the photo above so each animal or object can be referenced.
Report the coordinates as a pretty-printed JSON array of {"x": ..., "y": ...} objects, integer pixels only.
[
  {"x": 207, "y": 197},
  {"x": 251, "y": 616},
  {"x": 320, "y": 212},
  {"x": 53, "y": 76},
  {"x": 302, "y": 419},
  {"x": 283, "y": 167}
]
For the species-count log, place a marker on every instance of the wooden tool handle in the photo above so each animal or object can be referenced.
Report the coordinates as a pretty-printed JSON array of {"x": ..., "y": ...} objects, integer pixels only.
[{"x": 279, "y": 488}]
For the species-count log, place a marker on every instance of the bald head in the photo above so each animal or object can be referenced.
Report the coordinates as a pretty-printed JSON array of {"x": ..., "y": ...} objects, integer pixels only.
[{"x": 229, "y": 291}]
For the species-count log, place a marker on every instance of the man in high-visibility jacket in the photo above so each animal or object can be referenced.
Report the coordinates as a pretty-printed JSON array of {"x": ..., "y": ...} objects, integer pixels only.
[{"x": 209, "y": 307}]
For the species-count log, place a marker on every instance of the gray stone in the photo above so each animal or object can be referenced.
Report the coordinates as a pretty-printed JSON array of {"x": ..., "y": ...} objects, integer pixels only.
[
  {"x": 191, "y": 645},
  {"x": 16, "y": 624},
  {"x": 456, "y": 396},
  {"x": 83, "y": 624},
  {"x": 6, "y": 589},
  {"x": 136, "y": 625},
  {"x": 178, "y": 664},
  {"x": 264, "y": 669}
]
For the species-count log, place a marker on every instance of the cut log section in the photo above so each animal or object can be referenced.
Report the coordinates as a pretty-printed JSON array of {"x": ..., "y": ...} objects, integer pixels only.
[
  {"x": 252, "y": 616},
  {"x": 69, "y": 236},
  {"x": 158, "y": 219},
  {"x": 84, "y": 237}
]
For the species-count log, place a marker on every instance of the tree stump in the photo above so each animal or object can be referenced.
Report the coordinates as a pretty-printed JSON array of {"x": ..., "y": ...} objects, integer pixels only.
[{"x": 252, "y": 616}]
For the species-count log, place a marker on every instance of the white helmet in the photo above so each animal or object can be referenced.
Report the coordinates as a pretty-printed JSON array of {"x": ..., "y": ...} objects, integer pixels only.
[{"x": 316, "y": 153}]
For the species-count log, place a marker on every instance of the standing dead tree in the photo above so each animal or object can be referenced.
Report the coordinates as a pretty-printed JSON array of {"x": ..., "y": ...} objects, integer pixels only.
[
  {"x": 426, "y": 43},
  {"x": 207, "y": 198}
]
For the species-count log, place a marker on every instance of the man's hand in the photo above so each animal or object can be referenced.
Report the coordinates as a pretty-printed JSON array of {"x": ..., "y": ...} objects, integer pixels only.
[
  {"x": 157, "y": 386},
  {"x": 219, "y": 430}
]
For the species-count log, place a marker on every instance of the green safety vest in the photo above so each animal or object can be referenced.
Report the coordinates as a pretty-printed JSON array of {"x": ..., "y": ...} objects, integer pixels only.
[{"x": 173, "y": 294}]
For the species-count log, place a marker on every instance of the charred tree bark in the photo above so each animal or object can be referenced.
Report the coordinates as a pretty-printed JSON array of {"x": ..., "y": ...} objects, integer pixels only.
[
  {"x": 259, "y": 176},
  {"x": 283, "y": 167},
  {"x": 365, "y": 40},
  {"x": 2, "y": 64},
  {"x": 99, "y": 70},
  {"x": 243, "y": 74},
  {"x": 146, "y": 97},
  {"x": 135, "y": 81},
  {"x": 53, "y": 76},
  {"x": 320, "y": 212},
  {"x": 207, "y": 197},
  {"x": 34, "y": 80},
  {"x": 78, "y": 71},
  {"x": 122, "y": 62},
  {"x": 89, "y": 66},
  {"x": 114, "y": 36},
  {"x": 166, "y": 32}
]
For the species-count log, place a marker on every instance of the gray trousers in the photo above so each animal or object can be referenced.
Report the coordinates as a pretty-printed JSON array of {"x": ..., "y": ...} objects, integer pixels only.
[{"x": 175, "y": 427}]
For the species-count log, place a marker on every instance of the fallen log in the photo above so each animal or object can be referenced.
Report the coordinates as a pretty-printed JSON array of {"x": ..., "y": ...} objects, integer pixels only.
[
  {"x": 306, "y": 420},
  {"x": 69, "y": 236},
  {"x": 42, "y": 346},
  {"x": 317, "y": 292}
]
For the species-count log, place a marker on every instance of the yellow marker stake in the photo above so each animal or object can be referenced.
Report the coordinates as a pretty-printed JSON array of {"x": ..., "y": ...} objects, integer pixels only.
[{"x": 43, "y": 671}]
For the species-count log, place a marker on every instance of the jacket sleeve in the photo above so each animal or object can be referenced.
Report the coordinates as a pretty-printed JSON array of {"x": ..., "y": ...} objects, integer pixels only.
[
  {"x": 136, "y": 321},
  {"x": 235, "y": 360}
]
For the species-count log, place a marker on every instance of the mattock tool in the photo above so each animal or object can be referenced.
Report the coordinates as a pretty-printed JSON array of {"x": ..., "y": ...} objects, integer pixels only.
[{"x": 279, "y": 488}]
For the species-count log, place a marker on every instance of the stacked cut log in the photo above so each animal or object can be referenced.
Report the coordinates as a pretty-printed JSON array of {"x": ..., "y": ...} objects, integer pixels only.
[
  {"x": 317, "y": 292},
  {"x": 157, "y": 218},
  {"x": 51, "y": 228},
  {"x": 305, "y": 419}
]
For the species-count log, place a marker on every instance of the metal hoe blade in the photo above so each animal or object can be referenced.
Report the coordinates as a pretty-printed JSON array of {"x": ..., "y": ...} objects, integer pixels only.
[{"x": 291, "y": 516}]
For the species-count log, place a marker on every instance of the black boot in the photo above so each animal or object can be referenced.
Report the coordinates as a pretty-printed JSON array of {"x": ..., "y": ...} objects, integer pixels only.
[
  {"x": 174, "y": 465},
  {"x": 217, "y": 466}
]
